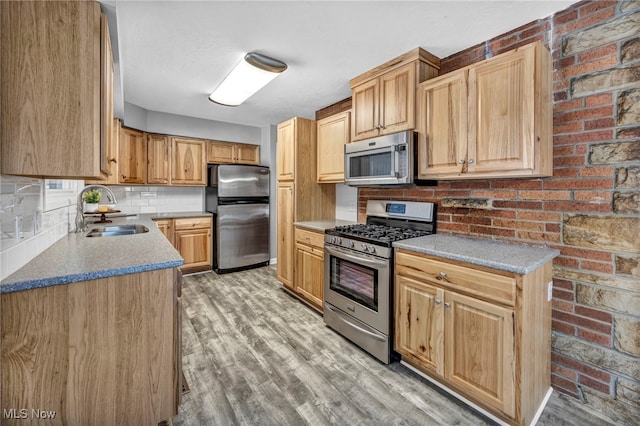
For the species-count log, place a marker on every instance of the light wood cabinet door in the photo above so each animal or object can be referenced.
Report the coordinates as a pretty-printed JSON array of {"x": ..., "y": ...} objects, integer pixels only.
[
  {"x": 132, "y": 156},
  {"x": 51, "y": 68},
  {"x": 158, "y": 159},
  {"x": 195, "y": 246},
  {"x": 248, "y": 154},
  {"x": 480, "y": 350},
  {"x": 442, "y": 125},
  {"x": 285, "y": 236},
  {"x": 501, "y": 96},
  {"x": 309, "y": 270},
  {"x": 107, "y": 150},
  {"x": 419, "y": 323},
  {"x": 366, "y": 104},
  {"x": 286, "y": 150},
  {"x": 188, "y": 163},
  {"x": 333, "y": 133},
  {"x": 166, "y": 227},
  {"x": 220, "y": 152},
  {"x": 397, "y": 99}
]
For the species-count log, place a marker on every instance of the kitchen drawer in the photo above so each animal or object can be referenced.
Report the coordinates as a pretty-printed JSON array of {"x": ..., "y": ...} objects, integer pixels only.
[
  {"x": 311, "y": 238},
  {"x": 472, "y": 280},
  {"x": 192, "y": 223}
]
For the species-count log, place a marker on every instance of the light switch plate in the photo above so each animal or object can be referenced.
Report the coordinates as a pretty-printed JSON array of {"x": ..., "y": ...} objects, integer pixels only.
[{"x": 549, "y": 291}]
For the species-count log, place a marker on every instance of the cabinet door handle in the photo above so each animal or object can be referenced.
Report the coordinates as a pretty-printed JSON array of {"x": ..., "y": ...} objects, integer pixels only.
[
  {"x": 443, "y": 277},
  {"x": 447, "y": 304},
  {"x": 460, "y": 161},
  {"x": 113, "y": 160},
  {"x": 438, "y": 301},
  {"x": 123, "y": 176},
  {"x": 471, "y": 161}
]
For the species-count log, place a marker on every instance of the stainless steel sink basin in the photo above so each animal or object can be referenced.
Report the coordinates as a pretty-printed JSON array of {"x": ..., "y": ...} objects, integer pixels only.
[{"x": 115, "y": 230}]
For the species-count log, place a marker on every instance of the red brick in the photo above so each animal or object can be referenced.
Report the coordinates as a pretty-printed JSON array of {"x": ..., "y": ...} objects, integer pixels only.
[
  {"x": 585, "y": 183},
  {"x": 600, "y": 99},
  {"x": 564, "y": 62},
  {"x": 518, "y": 224},
  {"x": 535, "y": 30},
  {"x": 566, "y": 262},
  {"x": 524, "y": 205},
  {"x": 494, "y": 193},
  {"x": 628, "y": 133},
  {"x": 583, "y": 114},
  {"x": 588, "y": 67},
  {"x": 472, "y": 220},
  {"x": 577, "y": 160},
  {"x": 561, "y": 84},
  {"x": 455, "y": 227},
  {"x": 560, "y": 96},
  {"x": 564, "y": 150},
  {"x": 565, "y": 16},
  {"x": 594, "y": 314},
  {"x": 590, "y": 20},
  {"x": 585, "y": 253},
  {"x": 469, "y": 184},
  {"x": 565, "y": 386},
  {"x": 562, "y": 305},
  {"x": 488, "y": 230},
  {"x": 563, "y": 327},
  {"x": 593, "y": 6},
  {"x": 573, "y": 127},
  {"x": 594, "y": 384},
  {"x": 593, "y": 196},
  {"x": 453, "y": 194},
  {"x": 607, "y": 50},
  {"x": 567, "y": 206},
  {"x": 560, "y": 283},
  {"x": 545, "y": 195},
  {"x": 596, "y": 266},
  {"x": 419, "y": 192},
  {"x": 582, "y": 322},
  {"x": 596, "y": 136},
  {"x": 597, "y": 171},
  {"x": 552, "y": 227},
  {"x": 502, "y": 42},
  {"x": 601, "y": 339},
  {"x": 564, "y": 372},
  {"x": 564, "y": 295},
  {"x": 539, "y": 215},
  {"x": 443, "y": 217},
  {"x": 517, "y": 184},
  {"x": 571, "y": 105},
  {"x": 565, "y": 172},
  {"x": 601, "y": 123},
  {"x": 584, "y": 369}
]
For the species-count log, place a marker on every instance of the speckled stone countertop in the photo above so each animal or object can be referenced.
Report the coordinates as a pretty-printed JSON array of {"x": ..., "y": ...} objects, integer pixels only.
[
  {"x": 516, "y": 258},
  {"x": 76, "y": 257},
  {"x": 321, "y": 225},
  {"x": 174, "y": 215}
]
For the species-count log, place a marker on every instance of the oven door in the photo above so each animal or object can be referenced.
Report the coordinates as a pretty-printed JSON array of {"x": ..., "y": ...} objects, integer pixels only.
[{"x": 358, "y": 285}]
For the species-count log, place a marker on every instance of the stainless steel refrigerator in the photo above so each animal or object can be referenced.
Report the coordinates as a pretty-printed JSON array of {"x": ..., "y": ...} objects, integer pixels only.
[{"x": 238, "y": 196}]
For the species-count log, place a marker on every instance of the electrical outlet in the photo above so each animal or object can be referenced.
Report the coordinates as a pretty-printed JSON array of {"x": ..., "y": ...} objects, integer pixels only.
[{"x": 352, "y": 206}]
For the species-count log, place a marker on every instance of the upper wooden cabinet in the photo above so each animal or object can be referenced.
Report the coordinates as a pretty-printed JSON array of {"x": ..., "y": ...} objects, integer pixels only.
[
  {"x": 56, "y": 98},
  {"x": 333, "y": 134},
  {"x": 188, "y": 163},
  {"x": 219, "y": 152},
  {"x": 384, "y": 98},
  {"x": 132, "y": 156},
  {"x": 286, "y": 152},
  {"x": 491, "y": 119},
  {"x": 158, "y": 159}
]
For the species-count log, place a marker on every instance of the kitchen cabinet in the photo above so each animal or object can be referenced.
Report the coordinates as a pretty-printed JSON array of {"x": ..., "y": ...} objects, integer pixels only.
[
  {"x": 113, "y": 178},
  {"x": 94, "y": 352},
  {"x": 55, "y": 54},
  {"x": 192, "y": 238},
  {"x": 232, "y": 153},
  {"x": 492, "y": 119},
  {"x": 333, "y": 133},
  {"x": 166, "y": 227},
  {"x": 309, "y": 266},
  {"x": 188, "y": 163},
  {"x": 158, "y": 159},
  {"x": 384, "y": 98},
  {"x": 476, "y": 331},
  {"x": 132, "y": 157},
  {"x": 300, "y": 197}
]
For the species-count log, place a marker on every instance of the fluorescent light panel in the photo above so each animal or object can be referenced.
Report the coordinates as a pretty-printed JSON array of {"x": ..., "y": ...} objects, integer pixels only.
[{"x": 250, "y": 75}]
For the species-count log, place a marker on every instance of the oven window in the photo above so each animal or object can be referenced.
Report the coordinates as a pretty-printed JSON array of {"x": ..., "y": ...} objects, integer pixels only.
[
  {"x": 354, "y": 281},
  {"x": 370, "y": 165}
]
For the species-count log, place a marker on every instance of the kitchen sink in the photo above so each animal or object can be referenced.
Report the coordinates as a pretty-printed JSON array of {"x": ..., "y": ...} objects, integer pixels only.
[{"x": 115, "y": 230}]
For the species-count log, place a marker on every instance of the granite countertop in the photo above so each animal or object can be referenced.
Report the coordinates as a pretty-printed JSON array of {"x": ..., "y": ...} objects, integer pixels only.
[
  {"x": 173, "y": 215},
  {"x": 321, "y": 225},
  {"x": 516, "y": 258},
  {"x": 76, "y": 257}
]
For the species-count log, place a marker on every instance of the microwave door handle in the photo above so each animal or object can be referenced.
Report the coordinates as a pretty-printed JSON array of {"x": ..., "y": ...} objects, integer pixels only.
[
  {"x": 355, "y": 259},
  {"x": 396, "y": 158}
]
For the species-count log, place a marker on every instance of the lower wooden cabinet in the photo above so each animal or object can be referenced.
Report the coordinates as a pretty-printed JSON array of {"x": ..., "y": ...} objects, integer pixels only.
[
  {"x": 309, "y": 266},
  {"x": 192, "y": 237},
  {"x": 286, "y": 241},
  {"x": 98, "y": 352},
  {"x": 484, "y": 334}
]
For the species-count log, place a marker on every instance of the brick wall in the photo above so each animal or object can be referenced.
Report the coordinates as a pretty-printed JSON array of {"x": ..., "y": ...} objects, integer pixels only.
[{"x": 589, "y": 209}]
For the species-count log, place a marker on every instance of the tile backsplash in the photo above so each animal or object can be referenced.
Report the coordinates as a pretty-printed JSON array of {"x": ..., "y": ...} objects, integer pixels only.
[
  {"x": 158, "y": 199},
  {"x": 28, "y": 224}
]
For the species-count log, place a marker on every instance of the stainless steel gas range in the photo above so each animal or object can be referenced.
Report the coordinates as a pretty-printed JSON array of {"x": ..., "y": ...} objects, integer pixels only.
[{"x": 358, "y": 266}]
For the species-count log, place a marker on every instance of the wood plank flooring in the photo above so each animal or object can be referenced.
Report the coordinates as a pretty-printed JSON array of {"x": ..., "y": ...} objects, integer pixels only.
[{"x": 254, "y": 355}]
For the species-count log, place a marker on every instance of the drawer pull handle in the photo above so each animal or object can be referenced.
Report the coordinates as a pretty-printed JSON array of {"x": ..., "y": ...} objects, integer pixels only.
[{"x": 443, "y": 277}]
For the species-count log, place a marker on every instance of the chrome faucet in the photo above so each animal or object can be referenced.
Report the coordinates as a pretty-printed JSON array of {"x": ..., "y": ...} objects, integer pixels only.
[{"x": 80, "y": 223}]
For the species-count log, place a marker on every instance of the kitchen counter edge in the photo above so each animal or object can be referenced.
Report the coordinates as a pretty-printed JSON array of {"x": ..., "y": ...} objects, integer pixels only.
[
  {"x": 517, "y": 258},
  {"x": 76, "y": 257},
  {"x": 322, "y": 225}
]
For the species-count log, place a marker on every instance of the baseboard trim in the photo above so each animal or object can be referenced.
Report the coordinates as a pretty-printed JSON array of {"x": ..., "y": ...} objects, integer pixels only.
[{"x": 273, "y": 261}]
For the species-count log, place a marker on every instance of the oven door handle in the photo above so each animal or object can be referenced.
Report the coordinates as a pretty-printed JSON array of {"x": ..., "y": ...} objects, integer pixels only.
[
  {"x": 377, "y": 264},
  {"x": 341, "y": 317}
]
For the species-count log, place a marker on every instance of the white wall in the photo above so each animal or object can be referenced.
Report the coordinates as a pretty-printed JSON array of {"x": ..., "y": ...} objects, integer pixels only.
[
  {"x": 346, "y": 203},
  {"x": 158, "y": 199}
]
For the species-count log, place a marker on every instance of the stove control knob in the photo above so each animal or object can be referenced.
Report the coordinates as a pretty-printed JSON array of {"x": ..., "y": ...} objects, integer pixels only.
[
  {"x": 372, "y": 249},
  {"x": 351, "y": 244},
  {"x": 338, "y": 240},
  {"x": 332, "y": 240},
  {"x": 364, "y": 247}
]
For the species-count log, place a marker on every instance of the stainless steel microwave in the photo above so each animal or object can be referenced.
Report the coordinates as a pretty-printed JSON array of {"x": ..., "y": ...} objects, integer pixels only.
[{"x": 383, "y": 160}]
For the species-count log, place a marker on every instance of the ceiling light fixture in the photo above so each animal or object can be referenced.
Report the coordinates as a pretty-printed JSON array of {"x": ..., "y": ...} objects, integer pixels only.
[{"x": 252, "y": 73}]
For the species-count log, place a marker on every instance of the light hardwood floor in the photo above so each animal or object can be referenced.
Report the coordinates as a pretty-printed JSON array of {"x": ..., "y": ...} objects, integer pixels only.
[{"x": 253, "y": 355}]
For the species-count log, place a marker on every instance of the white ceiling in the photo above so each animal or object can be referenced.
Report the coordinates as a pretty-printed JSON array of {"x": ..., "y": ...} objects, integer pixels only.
[{"x": 172, "y": 54}]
